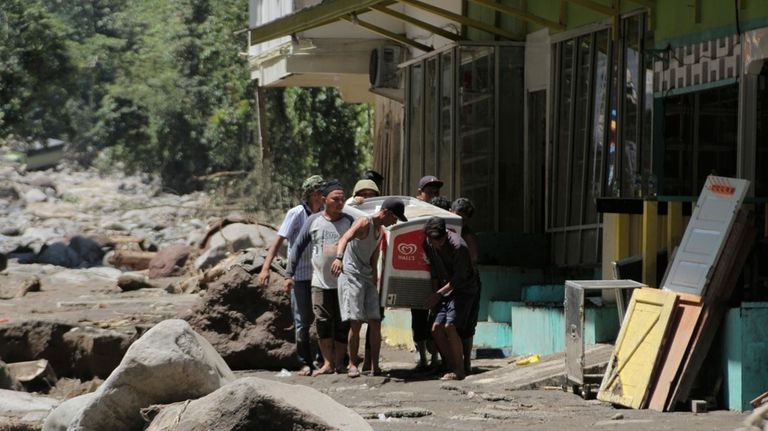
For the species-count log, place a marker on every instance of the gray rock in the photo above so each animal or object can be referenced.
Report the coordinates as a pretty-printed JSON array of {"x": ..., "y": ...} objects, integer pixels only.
[
  {"x": 254, "y": 403},
  {"x": 114, "y": 225},
  {"x": 25, "y": 406},
  {"x": 65, "y": 413},
  {"x": 169, "y": 363},
  {"x": 234, "y": 237},
  {"x": 10, "y": 230},
  {"x": 8, "y": 191},
  {"x": 34, "y": 195}
]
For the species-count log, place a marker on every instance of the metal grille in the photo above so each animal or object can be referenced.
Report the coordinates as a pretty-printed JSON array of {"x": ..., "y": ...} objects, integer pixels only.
[{"x": 408, "y": 292}]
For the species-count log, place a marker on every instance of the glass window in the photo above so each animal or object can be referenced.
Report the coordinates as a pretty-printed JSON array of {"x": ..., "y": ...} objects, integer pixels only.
[
  {"x": 699, "y": 138},
  {"x": 415, "y": 126},
  {"x": 476, "y": 145},
  {"x": 601, "y": 134},
  {"x": 761, "y": 139},
  {"x": 430, "y": 117},
  {"x": 445, "y": 152}
]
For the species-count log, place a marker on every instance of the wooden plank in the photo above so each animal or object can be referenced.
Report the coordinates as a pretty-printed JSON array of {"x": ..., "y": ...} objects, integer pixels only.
[
  {"x": 683, "y": 327},
  {"x": 726, "y": 273},
  {"x": 650, "y": 246},
  {"x": 137, "y": 260},
  {"x": 638, "y": 347}
]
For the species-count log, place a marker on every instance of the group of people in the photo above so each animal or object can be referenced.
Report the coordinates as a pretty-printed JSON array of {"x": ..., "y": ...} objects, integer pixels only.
[{"x": 332, "y": 278}]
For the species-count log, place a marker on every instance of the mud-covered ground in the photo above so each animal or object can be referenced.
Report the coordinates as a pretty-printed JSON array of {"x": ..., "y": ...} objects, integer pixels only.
[{"x": 403, "y": 400}]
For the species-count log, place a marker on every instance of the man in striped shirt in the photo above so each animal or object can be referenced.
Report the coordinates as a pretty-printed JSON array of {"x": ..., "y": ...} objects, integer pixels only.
[{"x": 301, "y": 299}]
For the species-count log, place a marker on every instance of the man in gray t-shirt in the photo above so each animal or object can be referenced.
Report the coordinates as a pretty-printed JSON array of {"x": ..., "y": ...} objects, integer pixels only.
[{"x": 322, "y": 232}]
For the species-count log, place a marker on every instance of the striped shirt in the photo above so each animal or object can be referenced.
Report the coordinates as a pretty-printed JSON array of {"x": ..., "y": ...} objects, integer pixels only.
[{"x": 294, "y": 221}]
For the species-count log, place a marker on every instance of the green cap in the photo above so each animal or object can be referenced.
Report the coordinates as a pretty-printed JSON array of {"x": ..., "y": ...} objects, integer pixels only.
[{"x": 312, "y": 183}]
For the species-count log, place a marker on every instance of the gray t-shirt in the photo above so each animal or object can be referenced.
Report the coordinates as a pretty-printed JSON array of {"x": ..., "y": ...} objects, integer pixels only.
[{"x": 323, "y": 235}]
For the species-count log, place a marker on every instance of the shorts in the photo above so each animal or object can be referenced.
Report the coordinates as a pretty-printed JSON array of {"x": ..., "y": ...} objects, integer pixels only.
[
  {"x": 325, "y": 305},
  {"x": 454, "y": 310},
  {"x": 358, "y": 298}
]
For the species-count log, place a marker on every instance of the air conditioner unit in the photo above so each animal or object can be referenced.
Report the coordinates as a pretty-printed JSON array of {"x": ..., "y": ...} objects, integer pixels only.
[{"x": 383, "y": 70}]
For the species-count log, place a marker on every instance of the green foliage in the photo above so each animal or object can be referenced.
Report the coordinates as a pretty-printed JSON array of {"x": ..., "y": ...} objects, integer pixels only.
[
  {"x": 157, "y": 86},
  {"x": 34, "y": 70}
]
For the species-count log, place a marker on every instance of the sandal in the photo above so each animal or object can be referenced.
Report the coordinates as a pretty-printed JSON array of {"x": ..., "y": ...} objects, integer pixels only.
[
  {"x": 304, "y": 371},
  {"x": 353, "y": 372},
  {"x": 321, "y": 371}
]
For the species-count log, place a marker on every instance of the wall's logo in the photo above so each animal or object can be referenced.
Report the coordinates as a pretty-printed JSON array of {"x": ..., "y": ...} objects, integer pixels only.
[
  {"x": 408, "y": 253},
  {"x": 406, "y": 249}
]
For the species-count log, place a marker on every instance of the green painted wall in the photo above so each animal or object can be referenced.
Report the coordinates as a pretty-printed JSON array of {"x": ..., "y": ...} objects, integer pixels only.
[
  {"x": 675, "y": 20},
  {"x": 745, "y": 354}
]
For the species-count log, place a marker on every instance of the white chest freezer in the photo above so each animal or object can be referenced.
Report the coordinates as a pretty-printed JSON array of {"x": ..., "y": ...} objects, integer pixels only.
[{"x": 404, "y": 277}]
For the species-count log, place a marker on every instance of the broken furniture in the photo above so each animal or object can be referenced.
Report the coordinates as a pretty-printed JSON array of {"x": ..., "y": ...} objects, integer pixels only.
[{"x": 575, "y": 293}]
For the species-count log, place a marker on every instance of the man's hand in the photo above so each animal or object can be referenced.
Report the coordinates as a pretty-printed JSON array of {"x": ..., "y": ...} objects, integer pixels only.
[
  {"x": 264, "y": 277},
  {"x": 432, "y": 300},
  {"x": 288, "y": 285},
  {"x": 336, "y": 267}
]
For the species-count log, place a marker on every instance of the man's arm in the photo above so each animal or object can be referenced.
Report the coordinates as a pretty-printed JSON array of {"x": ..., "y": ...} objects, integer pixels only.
[
  {"x": 264, "y": 273},
  {"x": 356, "y": 231}
]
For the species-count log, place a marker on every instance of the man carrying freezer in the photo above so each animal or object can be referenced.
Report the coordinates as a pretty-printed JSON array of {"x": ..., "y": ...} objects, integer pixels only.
[{"x": 355, "y": 265}]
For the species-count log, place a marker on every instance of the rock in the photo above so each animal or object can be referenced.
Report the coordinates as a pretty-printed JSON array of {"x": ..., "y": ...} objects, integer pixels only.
[
  {"x": 8, "y": 191},
  {"x": 169, "y": 261},
  {"x": 7, "y": 381},
  {"x": 34, "y": 195},
  {"x": 10, "y": 230},
  {"x": 170, "y": 362},
  {"x": 35, "y": 376},
  {"x": 234, "y": 237},
  {"x": 3, "y": 261},
  {"x": 25, "y": 406},
  {"x": 32, "y": 284},
  {"x": 64, "y": 414},
  {"x": 254, "y": 403},
  {"x": 250, "y": 327},
  {"x": 114, "y": 225},
  {"x": 133, "y": 281}
]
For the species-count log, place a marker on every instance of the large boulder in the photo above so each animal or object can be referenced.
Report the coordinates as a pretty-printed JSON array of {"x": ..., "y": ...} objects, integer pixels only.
[
  {"x": 234, "y": 237},
  {"x": 66, "y": 412},
  {"x": 25, "y": 406},
  {"x": 169, "y": 363},
  {"x": 250, "y": 327},
  {"x": 169, "y": 261},
  {"x": 253, "y": 403}
]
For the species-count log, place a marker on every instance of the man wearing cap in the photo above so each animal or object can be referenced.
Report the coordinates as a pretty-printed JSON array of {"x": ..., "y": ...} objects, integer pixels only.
[
  {"x": 322, "y": 231},
  {"x": 355, "y": 265},
  {"x": 301, "y": 300},
  {"x": 429, "y": 188},
  {"x": 454, "y": 283},
  {"x": 363, "y": 190}
]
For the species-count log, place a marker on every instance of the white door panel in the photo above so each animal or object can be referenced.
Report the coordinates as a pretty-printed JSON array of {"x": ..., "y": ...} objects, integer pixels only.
[{"x": 705, "y": 235}]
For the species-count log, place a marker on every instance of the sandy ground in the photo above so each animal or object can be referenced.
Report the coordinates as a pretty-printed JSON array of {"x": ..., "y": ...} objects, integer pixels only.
[{"x": 405, "y": 400}]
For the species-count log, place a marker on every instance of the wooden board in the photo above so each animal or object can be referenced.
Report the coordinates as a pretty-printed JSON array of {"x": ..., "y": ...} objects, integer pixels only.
[
  {"x": 681, "y": 332},
  {"x": 724, "y": 278},
  {"x": 638, "y": 347}
]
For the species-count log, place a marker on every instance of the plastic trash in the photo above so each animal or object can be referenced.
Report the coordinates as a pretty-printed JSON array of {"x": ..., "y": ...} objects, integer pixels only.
[
  {"x": 283, "y": 373},
  {"x": 528, "y": 360}
]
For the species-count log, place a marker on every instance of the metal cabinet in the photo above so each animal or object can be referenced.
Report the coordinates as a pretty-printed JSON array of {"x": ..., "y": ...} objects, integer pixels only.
[{"x": 575, "y": 292}]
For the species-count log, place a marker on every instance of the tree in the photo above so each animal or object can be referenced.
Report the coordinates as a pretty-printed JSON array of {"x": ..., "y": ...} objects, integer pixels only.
[{"x": 34, "y": 71}]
